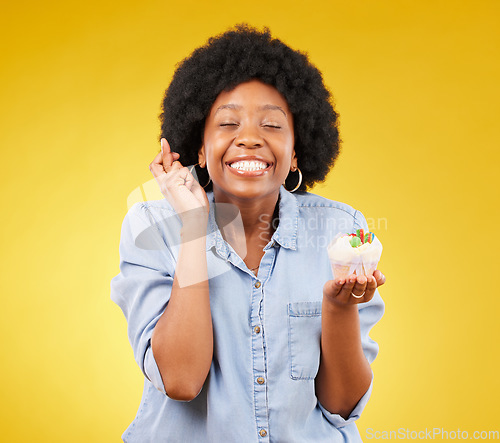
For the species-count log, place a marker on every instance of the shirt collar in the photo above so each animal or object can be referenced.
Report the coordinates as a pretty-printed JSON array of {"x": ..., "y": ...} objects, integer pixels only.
[{"x": 285, "y": 234}]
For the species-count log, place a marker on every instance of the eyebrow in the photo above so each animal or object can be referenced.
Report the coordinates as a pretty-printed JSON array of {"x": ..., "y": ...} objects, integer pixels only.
[
  {"x": 261, "y": 108},
  {"x": 273, "y": 108}
]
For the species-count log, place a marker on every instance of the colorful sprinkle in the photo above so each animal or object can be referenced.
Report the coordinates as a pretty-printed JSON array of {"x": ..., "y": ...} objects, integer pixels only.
[
  {"x": 360, "y": 238},
  {"x": 355, "y": 242},
  {"x": 361, "y": 234}
]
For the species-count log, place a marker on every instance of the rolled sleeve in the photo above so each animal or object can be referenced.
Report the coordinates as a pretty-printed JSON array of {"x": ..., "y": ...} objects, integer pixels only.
[
  {"x": 143, "y": 286},
  {"x": 339, "y": 421},
  {"x": 152, "y": 372}
]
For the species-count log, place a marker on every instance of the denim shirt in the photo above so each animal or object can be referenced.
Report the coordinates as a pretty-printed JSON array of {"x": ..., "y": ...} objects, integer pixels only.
[{"x": 267, "y": 327}]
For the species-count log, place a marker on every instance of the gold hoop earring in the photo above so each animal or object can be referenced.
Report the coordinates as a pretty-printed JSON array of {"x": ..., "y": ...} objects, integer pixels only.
[
  {"x": 209, "y": 178},
  {"x": 298, "y": 184}
]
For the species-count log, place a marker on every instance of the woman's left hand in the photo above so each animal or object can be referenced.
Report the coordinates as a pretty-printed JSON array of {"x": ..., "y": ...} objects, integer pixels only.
[{"x": 340, "y": 290}]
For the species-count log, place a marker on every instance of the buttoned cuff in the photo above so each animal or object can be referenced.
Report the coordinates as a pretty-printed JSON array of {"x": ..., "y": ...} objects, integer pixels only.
[
  {"x": 152, "y": 372},
  {"x": 338, "y": 421}
]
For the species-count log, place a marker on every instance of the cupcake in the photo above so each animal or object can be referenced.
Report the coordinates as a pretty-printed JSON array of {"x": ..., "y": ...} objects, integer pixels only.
[{"x": 357, "y": 253}]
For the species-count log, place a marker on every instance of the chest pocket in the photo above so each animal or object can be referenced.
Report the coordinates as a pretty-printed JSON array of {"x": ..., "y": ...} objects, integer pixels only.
[{"x": 304, "y": 336}]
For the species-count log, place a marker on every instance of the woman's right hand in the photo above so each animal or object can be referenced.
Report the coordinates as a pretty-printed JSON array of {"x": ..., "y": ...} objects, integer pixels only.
[{"x": 178, "y": 185}]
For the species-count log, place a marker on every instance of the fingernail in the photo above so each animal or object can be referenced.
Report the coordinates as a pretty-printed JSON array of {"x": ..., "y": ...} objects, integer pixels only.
[{"x": 161, "y": 147}]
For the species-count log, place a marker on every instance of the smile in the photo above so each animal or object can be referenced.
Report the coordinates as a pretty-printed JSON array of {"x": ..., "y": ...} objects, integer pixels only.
[
  {"x": 249, "y": 165},
  {"x": 250, "y": 168}
]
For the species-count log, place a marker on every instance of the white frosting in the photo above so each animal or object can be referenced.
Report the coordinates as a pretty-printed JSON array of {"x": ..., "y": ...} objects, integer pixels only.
[{"x": 361, "y": 258}]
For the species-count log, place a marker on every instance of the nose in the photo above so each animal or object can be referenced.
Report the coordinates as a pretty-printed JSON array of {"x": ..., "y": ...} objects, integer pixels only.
[{"x": 249, "y": 137}]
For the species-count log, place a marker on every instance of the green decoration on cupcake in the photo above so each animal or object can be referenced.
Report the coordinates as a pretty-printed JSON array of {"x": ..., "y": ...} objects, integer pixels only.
[
  {"x": 360, "y": 238},
  {"x": 355, "y": 242}
]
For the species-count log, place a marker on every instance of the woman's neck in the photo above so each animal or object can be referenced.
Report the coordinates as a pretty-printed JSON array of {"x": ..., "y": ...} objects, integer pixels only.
[{"x": 259, "y": 217}]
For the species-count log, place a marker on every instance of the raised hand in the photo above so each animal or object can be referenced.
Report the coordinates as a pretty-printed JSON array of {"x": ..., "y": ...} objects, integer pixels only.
[
  {"x": 178, "y": 185},
  {"x": 340, "y": 290}
]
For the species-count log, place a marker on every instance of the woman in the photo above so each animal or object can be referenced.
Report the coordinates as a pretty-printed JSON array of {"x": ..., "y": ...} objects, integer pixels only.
[{"x": 237, "y": 325}]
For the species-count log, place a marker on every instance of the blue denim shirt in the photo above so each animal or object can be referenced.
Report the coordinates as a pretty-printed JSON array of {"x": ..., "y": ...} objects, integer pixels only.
[{"x": 267, "y": 328}]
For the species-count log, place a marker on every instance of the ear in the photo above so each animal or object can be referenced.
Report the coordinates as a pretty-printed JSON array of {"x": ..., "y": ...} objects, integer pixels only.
[
  {"x": 201, "y": 157},
  {"x": 293, "y": 165}
]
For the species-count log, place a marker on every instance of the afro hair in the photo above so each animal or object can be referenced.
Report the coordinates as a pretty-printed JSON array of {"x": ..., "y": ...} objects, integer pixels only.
[{"x": 237, "y": 56}]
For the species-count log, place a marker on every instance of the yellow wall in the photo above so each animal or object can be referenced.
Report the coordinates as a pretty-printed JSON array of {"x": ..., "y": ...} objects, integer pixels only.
[{"x": 416, "y": 84}]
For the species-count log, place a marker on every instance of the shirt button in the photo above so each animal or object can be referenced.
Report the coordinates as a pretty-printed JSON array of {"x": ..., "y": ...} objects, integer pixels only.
[
  {"x": 257, "y": 284},
  {"x": 260, "y": 380},
  {"x": 262, "y": 432},
  {"x": 257, "y": 329}
]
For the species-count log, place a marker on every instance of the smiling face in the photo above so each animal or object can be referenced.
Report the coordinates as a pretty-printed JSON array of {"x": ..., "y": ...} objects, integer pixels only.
[{"x": 248, "y": 142}]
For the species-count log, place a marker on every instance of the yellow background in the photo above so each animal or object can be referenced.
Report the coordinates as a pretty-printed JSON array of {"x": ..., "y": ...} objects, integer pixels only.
[{"x": 416, "y": 85}]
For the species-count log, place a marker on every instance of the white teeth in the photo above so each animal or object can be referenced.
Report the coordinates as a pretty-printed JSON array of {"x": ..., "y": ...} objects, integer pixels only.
[{"x": 249, "y": 165}]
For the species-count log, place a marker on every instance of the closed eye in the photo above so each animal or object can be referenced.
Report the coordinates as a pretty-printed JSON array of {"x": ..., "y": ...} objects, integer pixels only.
[
  {"x": 228, "y": 124},
  {"x": 272, "y": 126}
]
